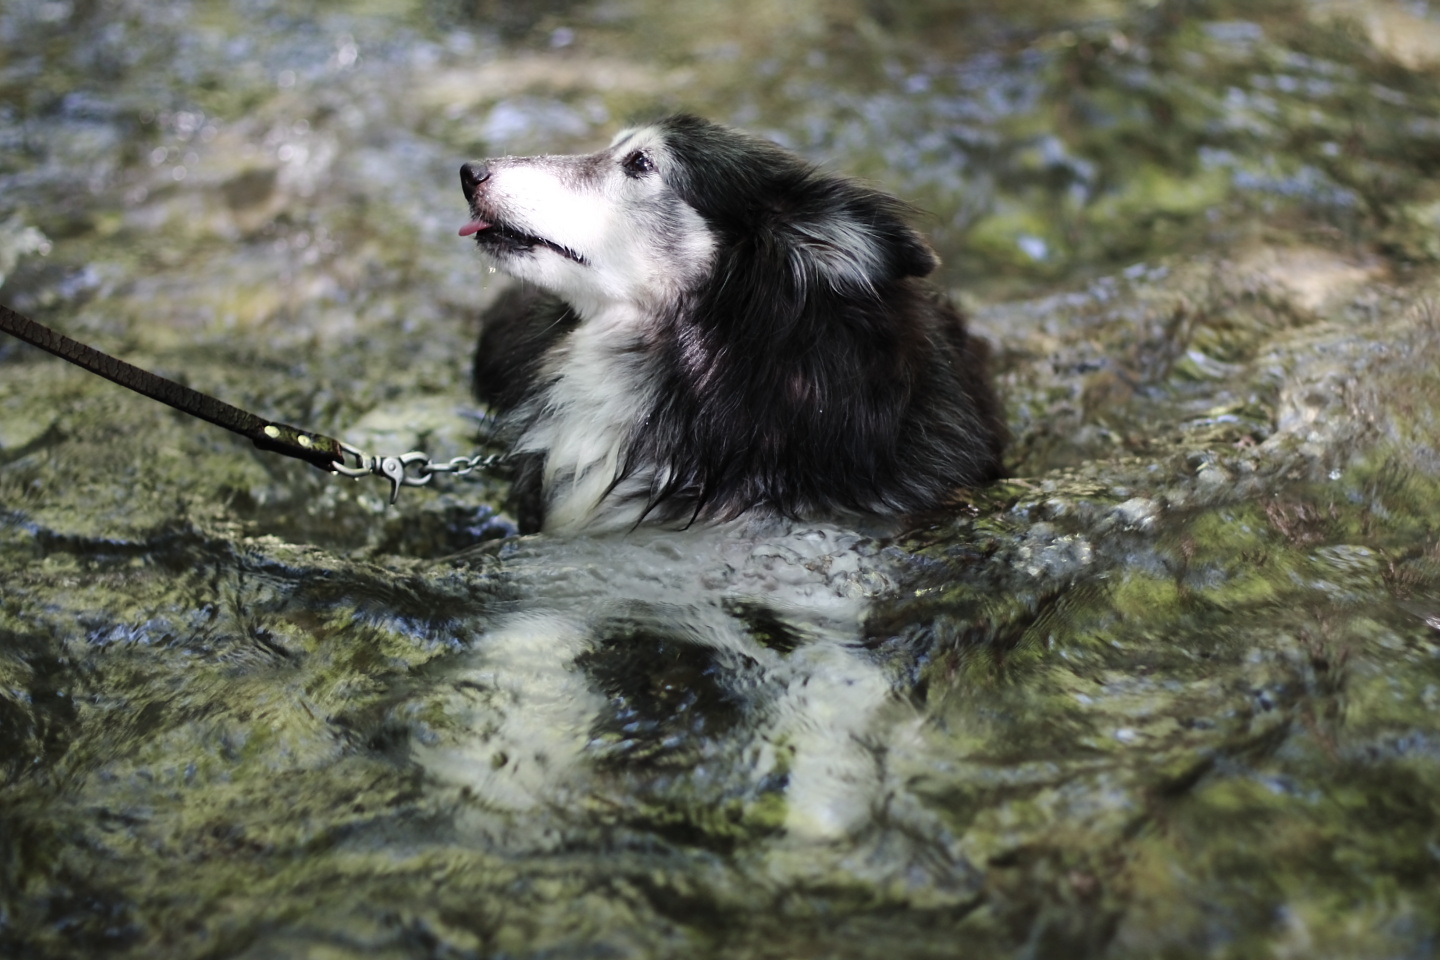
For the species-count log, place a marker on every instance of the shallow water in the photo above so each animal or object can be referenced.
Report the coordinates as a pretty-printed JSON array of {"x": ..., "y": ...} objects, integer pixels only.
[{"x": 1168, "y": 692}]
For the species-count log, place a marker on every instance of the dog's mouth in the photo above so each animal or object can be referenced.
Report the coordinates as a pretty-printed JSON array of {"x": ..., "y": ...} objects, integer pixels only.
[{"x": 501, "y": 237}]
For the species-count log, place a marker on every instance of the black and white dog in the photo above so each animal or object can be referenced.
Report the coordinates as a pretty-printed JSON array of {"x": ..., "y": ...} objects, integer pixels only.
[{"x": 709, "y": 326}]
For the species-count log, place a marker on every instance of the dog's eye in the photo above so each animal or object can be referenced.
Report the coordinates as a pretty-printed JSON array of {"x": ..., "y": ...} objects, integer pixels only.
[{"x": 638, "y": 164}]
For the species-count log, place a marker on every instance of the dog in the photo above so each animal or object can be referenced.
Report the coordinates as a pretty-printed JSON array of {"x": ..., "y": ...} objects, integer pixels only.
[{"x": 707, "y": 327}]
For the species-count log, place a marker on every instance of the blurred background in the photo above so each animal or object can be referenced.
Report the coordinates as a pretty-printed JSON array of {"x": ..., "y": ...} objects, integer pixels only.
[{"x": 1045, "y": 140}]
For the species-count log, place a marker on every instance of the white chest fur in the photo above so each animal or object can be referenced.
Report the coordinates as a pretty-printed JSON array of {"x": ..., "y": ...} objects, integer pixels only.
[{"x": 600, "y": 384}]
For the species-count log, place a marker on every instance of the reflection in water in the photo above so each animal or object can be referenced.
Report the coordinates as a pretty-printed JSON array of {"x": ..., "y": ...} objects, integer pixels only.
[{"x": 668, "y": 651}]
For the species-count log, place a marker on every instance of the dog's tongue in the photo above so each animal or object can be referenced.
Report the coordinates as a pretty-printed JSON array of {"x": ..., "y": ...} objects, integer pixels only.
[{"x": 474, "y": 226}]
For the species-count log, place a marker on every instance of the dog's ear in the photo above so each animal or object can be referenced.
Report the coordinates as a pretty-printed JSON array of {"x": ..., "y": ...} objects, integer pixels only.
[
  {"x": 852, "y": 236},
  {"x": 861, "y": 238},
  {"x": 839, "y": 231}
]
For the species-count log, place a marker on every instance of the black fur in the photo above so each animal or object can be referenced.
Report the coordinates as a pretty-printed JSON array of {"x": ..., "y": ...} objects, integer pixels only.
[{"x": 788, "y": 385}]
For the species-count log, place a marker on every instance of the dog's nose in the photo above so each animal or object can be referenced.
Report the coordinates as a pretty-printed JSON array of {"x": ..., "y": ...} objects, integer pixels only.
[{"x": 472, "y": 175}]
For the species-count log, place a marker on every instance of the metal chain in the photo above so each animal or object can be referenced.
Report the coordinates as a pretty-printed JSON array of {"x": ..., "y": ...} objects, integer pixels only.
[
  {"x": 460, "y": 466},
  {"x": 413, "y": 469}
]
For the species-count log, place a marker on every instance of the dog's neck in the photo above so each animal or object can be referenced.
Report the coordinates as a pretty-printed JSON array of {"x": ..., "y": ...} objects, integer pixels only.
[{"x": 582, "y": 420}]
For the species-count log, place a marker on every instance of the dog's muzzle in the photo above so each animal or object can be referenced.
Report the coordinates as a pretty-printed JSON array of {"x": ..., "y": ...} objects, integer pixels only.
[{"x": 490, "y": 231}]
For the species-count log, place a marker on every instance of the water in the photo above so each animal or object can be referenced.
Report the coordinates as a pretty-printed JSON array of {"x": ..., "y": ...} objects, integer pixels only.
[{"x": 1170, "y": 691}]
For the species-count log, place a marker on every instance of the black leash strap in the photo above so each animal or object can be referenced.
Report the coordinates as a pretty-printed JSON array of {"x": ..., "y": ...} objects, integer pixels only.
[{"x": 314, "y": 448}]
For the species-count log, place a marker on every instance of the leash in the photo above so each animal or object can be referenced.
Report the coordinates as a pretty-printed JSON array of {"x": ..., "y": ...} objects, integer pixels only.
[{"x": 413, "y": 469}]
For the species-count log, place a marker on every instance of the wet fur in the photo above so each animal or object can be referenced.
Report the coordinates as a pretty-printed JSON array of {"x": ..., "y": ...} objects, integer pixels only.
[{"x": 708, "y": 326}]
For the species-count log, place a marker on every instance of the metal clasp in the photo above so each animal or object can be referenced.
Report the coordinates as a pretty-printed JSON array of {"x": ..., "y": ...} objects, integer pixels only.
[
  {"x": 397, "y": 471},
  {"x": 407, "y": 470}
]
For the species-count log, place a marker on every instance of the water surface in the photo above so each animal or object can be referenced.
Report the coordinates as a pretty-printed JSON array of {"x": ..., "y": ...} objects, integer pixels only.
[{"x": 1168, "y": 692}]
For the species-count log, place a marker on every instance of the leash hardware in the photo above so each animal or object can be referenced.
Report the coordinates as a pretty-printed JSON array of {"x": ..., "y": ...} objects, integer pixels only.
[
  {"x": 407, "y": 470},
  {"x": 413, "y": 469},
  {"x": 460, "y": 466}
]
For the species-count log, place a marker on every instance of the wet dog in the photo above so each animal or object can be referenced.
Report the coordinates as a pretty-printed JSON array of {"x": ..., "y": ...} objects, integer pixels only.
[{"x": 707, "y": 326}]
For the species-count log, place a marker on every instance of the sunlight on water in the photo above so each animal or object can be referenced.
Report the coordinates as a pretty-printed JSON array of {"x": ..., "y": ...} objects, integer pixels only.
[{"x": 1174, "y": 680}]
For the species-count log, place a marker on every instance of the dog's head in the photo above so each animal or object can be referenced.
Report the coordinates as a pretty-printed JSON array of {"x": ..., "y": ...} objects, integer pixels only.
[{"x": 667, "y": 205}]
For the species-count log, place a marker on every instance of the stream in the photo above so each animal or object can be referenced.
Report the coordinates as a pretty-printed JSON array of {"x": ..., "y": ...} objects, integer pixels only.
[{"x": 1168, "y": 691}]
